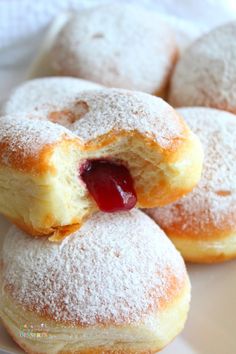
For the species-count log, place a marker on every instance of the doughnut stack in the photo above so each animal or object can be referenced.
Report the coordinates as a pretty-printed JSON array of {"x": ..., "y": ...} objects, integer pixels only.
[
  {"x": 98, "y": 276},
  {"x": 96, "y": 174}
]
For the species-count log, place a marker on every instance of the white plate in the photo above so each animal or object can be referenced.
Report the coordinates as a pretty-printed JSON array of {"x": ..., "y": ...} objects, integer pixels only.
[{"x": 211, "y": 326}]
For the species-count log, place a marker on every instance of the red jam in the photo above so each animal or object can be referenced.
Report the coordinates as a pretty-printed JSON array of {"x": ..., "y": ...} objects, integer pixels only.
[{"x": 110, "y": 185}]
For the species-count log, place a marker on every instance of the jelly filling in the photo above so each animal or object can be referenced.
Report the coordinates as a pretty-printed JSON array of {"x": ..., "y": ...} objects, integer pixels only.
[{"x": 110, "y": 184}]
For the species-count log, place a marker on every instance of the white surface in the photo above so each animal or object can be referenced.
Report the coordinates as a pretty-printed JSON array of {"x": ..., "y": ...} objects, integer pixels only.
[
  {"x": 211, "y": 326},
  {"x": 22, "y": 19}
]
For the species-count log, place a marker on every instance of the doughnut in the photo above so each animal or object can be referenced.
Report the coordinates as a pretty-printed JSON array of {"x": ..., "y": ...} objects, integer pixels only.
[
  {"x": 117, "y": 285},
  {"x": 117, "y": 45},
  {"x": 48, "y": 93},
  {"x": 205, "y": 74},
  {"x": 202, "y": 225},
  {"x": 114, "y": 149}
]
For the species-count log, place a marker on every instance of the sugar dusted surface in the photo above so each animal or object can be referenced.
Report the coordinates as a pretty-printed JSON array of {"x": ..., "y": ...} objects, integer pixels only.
[
  {"x": 47, "y": 94},
  {"x": 91, "y": 115},
  {"x": 205, "y": 74},
  {"x": 117, "y": 45},
  {"x": 116, "y": 268},
  {"x": 119, "y": 110},
  {"x": 26, "y": 136},
  {"x": 212, "y": 204}
]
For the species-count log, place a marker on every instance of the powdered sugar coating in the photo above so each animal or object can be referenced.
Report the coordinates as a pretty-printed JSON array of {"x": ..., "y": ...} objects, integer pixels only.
[
  {"x": 116, "y": 268},
  {"x": 205, "y": 75},
  {"x": 117, "y": 45},
  {"x": 47, "y": 94},
  {"x": 91, "y": 115},
  {"x": 211, "y": 208},
  {"x": 24, "y": 137},
  {"x": 122, "y": 110}
]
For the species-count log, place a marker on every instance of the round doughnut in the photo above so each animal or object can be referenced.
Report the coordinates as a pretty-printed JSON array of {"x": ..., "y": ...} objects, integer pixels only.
[
  {"x": 202, "y": 225},
  {"x": 48, "y": 94},
  {"x": 118, "y": 285},
  {"x": 117, "y": 45},
  {"x": 205, "y": 74},
  {"x": 116, "y": 148}
]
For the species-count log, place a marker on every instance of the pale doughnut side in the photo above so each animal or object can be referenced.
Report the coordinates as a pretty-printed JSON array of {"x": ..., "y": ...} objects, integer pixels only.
[
  {"x": 206, "y": 251},
  {"x": 91, "y": 292},
  {"x": 203, "y": 224},
  {"x": 126, "y": 339}
]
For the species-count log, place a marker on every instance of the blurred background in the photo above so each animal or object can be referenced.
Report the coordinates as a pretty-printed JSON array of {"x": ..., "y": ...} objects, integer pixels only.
[{"x": 24, "y": 23}]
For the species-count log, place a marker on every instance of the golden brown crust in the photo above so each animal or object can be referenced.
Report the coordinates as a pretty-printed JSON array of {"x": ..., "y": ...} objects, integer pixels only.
[
  {"x": 210, "y": 233},
  {"x": 173, "y": 288},
  {"x": 55, "y": 234},
  {"x": 37, "y": 163},
  {"x": 26, "y": 161}
]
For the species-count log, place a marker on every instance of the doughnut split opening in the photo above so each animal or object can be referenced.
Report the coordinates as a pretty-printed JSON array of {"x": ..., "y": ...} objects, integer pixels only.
[{"x": 41, "y": 159}]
